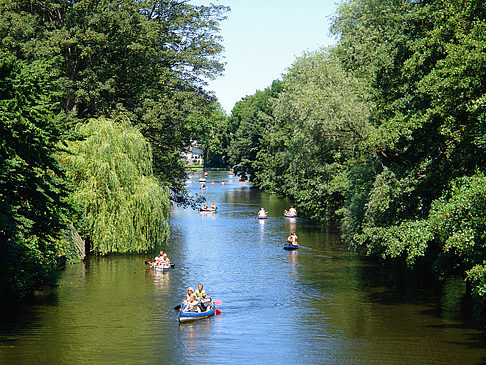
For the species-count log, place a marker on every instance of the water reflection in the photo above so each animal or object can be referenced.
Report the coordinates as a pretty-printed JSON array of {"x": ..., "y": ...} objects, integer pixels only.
[{"x": 318, "y": 304}]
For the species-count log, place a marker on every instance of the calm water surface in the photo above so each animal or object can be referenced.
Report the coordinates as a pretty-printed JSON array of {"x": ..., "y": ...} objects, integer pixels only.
[{"x": 321, "y": 304}]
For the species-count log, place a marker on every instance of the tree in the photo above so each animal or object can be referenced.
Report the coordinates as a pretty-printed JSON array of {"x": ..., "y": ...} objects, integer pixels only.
[
  {"x": 124, "y": 206},
  {"x": 33, "y": 204},
  {"x": 247, "y": 122},
  {"x": 206, "y": 126},
  {"x": 147, "y": 59}
]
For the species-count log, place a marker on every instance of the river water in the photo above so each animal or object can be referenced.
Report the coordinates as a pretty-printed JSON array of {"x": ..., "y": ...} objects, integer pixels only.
[{"x": 321, "y": 304}]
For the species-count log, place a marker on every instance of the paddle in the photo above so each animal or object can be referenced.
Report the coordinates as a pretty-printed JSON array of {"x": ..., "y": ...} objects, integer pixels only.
[
  {"x": 218, "y": 301},
  {"x": 177, "y": 307}
]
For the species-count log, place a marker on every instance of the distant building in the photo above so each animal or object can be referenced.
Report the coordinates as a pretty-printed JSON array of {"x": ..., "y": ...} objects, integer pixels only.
[{"x": 194, "y": 156}]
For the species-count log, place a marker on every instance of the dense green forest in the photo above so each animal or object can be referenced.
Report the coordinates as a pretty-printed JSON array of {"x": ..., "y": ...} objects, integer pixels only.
[
  {"x": 382, "y": 135},
  {"x": 97, "y": 100}
]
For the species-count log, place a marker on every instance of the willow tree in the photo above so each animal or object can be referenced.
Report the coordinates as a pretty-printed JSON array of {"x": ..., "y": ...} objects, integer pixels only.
[{"x": 124, "y": 207}]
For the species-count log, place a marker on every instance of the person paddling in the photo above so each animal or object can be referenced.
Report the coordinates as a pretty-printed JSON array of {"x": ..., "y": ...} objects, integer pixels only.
[
  {"x": 262, "y": 213},
  {"x": 292, "y": 239},
  {"x": 205, "y": 301},
  {"x": 292, "y": 211}
]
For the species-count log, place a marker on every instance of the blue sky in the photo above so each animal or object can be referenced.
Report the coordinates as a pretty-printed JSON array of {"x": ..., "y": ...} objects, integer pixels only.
[{"x": 262, "y": 38}]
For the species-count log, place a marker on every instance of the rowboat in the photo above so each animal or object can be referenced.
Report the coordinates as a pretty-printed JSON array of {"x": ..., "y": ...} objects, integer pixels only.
[
  {"x": 208, "y": 210},
  {"x": 193, "y": 316},
  {"x": 163, "y": 267},
  {"x": 290, "y": 247}
]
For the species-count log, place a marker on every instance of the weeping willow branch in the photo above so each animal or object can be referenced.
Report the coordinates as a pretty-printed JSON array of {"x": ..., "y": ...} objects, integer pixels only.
[{"x": 125, "y": 208}]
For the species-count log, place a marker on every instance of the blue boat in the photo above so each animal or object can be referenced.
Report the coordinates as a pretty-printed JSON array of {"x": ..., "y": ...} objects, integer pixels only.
[
  {"x": 208, "y": 210},
  {"x": 290, "y": 247},
  {"x": 289, "y": 216},
  {"x": 193, "y": 316}
]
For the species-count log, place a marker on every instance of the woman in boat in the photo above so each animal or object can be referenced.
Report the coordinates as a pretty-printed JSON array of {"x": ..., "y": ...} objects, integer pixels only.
[
  {"x": 205, "y": 302},
  {"x": 165, "y": 259},
  {"x": 213, "y": 206},
  {"x": 262, "y": 213},
  {"x": 205, "y": 206},
  {"x": 192, "y": 305},
  {"x": 190, "y": 292}
]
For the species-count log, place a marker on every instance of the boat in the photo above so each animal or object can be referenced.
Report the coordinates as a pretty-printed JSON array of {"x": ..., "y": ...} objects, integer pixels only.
[
  {"x": 202, "y": 179},
  {"x": 203, "y": 188},
  {"x": 208, "y": 210},
  {"x": 262, "y": 217},
  {"x": 290, "y": 247},
  {"x": 288, "y": 215},
  {"x": 163, "y": 267},
  {"x": 192, "y": 316}
]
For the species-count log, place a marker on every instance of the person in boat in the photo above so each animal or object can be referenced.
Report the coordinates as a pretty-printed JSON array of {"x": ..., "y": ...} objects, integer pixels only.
[
  {"x": 292, "y": 239},
  {"x": 199, "y": 290},
  {"x": 192, "y": 304},
  {"x": 292, "y": 211},
  {"x": 213, "y": 206},
  {"x": 165, "y": 259},
  {"x": 190, "y": 292},
  {"x": 262, "y": 213},
  {"x": 203, "y": 186},
  {"x": 205, "y": 206},
  {"x": 205, "y": 302}
]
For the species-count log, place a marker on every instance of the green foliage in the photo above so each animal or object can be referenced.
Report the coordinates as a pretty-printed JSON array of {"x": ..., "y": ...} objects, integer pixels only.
[
  {"x": 147, "y": 59},
  {"x": 32, "y": 191},
  {"x": 459, "y": 220},
  {"x": 384, "y": 133},
  {"x": 206, "y": 125},
  {"x": 246, "y": 124},
  {"x": 125, "y": 208}
]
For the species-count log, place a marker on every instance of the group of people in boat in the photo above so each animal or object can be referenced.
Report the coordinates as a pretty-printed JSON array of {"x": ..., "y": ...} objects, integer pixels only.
[
  {"x": 212, "y": 207},
  {"x": 197, "y": 301},
  {"x": 161, "y": 259}
]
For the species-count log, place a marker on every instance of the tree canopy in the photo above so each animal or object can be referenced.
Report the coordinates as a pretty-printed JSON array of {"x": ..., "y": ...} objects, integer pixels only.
[
  {"x": 33, "y": 192},
  {"x": 147, "y": 59},
  {"x": 384, "y": 133},
  {"x": 123, "y": 205}
]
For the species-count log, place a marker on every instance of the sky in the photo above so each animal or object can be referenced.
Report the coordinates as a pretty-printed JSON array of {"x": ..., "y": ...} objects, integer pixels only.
[{"x": 262, "y": 39}]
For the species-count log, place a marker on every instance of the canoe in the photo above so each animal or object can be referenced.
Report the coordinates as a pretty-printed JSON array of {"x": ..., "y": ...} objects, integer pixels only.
[
  {"x": 289, "y": 216},
  {"x": 202, "y": 179},
  {"x": 163, "y": 267},
  {"x": 208, "y": 210},
  {"x": 291, "y": 247},
  {"x": 262, "y": 217},
  {"x": 191, "y": 316}
]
